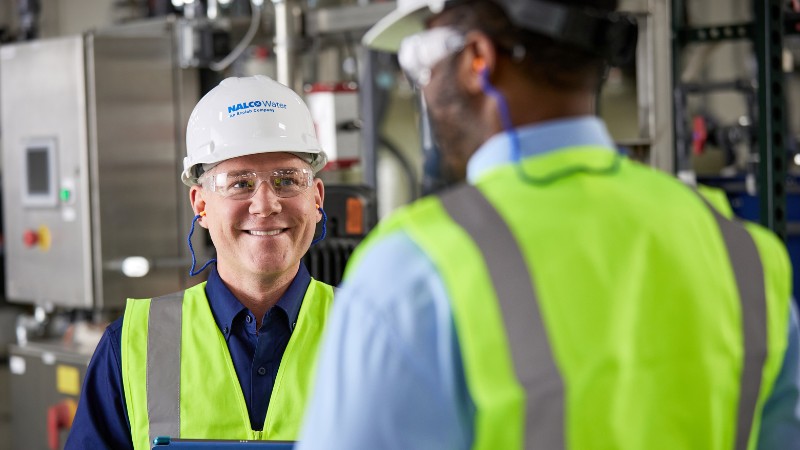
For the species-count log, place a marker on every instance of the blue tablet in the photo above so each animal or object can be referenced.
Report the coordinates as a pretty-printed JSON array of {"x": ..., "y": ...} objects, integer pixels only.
[{"x": 165, "y": 443}]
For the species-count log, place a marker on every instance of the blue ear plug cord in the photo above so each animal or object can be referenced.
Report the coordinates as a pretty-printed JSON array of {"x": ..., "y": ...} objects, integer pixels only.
[
  {"x": 505, "y": 114},
  {"x": 191, "y": 249},
  {"x": 324, "y": 227}
]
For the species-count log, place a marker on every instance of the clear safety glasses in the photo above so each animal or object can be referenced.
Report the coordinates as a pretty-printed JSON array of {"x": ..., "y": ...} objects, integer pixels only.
[
  {"x": 420, "y": 52},
  {"x": 242, "y": 185}
]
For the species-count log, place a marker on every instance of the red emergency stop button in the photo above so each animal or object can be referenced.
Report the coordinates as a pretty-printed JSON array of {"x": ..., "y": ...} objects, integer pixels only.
[{"x": 30, "y": 238}]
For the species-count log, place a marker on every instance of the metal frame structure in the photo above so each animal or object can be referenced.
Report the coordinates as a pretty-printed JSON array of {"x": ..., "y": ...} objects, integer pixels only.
[{"x": 772, "y": 133}]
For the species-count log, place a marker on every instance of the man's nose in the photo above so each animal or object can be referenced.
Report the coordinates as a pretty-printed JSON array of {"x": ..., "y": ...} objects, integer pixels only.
[{"x": 264, "y": 200}]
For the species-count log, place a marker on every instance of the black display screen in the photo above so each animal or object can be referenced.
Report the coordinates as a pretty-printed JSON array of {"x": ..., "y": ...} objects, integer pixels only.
[{"x": 38, "y": 164}]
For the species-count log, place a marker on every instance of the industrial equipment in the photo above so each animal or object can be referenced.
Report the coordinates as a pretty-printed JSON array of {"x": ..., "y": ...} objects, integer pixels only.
[
  {"x": 92, "y": 142},
  {"x": 46, "y": 380},
  {"x": 352, "y": 213},
  {"x": 334, "y": 108}
]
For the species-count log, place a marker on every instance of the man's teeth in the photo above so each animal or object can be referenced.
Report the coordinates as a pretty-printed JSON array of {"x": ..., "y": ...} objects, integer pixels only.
[{"x": 265, "y": 233}]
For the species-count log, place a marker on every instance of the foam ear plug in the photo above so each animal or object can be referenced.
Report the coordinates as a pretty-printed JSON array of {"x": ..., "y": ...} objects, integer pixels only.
[{"x": 478, "y": 64}]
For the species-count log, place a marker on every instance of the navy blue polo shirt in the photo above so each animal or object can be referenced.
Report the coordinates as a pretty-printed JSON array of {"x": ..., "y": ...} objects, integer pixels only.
[{"x": 101, "y": 421}]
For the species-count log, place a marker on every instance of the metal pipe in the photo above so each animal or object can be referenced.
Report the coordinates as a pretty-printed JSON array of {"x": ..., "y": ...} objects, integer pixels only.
[{"x": 286, "y": 34}]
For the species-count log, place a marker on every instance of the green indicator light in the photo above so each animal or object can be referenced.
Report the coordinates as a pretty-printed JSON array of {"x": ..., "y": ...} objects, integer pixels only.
[{"x": 65, "y": 194}]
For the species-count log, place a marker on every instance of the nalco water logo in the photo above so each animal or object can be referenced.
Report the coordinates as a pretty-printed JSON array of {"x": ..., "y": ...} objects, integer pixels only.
[{"x": 254, "y": 106}]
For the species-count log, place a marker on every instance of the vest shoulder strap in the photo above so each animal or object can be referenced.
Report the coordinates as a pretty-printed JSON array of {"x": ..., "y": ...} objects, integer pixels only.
[
  {"x": 748, "y": 272},
  {"x": 164, "y": 365},
  {"x": 527, "y": 336}
]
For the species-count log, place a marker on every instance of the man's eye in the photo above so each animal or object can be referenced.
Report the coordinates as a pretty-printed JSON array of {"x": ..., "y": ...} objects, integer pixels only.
[
  {"x": 284, "y": 181},
  {"x": 240, "y": 184}
]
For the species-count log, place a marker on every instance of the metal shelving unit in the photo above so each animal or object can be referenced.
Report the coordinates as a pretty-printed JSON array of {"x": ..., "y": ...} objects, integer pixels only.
[{"x": 766, "y": 33}]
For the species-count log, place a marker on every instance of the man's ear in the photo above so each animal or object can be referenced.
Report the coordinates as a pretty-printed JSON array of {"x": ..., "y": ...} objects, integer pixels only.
[
  {"x": 319, "y": 196},
  {"x": 479, "y": 61},
  {"x": 198, "y": 203}
]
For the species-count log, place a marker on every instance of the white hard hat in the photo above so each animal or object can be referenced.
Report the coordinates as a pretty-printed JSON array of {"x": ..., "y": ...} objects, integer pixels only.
[
  {"x": 614, "y": 36},
  {"x": 407, "y": 19},
  {"x": 245, "y": 116}
]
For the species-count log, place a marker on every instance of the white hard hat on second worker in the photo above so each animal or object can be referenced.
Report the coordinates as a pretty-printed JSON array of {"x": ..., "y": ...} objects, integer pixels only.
[
  {"x": 245, "y": 116},
  {"x": 407, "y": 19},
  {"x": 613, "y": 36}
]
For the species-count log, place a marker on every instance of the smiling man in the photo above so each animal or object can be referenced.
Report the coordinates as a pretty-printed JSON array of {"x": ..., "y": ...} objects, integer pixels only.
[{"x": 229, "y": 358}]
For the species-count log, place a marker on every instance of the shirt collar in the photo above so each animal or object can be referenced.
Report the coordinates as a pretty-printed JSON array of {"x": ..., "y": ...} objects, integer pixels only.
[
  {"x": 225, "y": 306},
  {"x": 292, "y": 299},
  {"x": 538, "y": 139}
]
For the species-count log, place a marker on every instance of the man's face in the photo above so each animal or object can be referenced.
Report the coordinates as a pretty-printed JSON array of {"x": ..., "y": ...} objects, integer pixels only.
[
  {"x": 264, "y": 236},
  {"x": 456, "y": 126}
]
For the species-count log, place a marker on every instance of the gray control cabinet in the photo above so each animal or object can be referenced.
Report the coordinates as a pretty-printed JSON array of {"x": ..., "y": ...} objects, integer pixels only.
[{"x": 93, "y": 142}]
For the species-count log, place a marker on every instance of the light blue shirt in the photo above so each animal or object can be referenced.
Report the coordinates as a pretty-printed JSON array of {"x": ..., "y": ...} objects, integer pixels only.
[{"x": 390, "y": 373}]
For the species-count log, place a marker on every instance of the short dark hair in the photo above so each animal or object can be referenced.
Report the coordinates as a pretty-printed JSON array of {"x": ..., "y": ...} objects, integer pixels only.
[{"x": 562, "y": 66}]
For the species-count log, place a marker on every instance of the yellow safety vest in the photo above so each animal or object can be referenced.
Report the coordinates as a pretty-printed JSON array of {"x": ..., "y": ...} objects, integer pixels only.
[
  {"x": 180, "y": 381},
  {"x": 600, "y": 304}
]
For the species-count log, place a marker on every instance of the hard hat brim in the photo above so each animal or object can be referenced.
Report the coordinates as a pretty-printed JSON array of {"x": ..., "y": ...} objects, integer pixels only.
[{"x": 388, "y": 32}]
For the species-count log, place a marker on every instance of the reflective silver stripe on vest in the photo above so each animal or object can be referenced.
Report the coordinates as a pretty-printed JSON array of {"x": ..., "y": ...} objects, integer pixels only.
[
  {"x": 164, "y": 366},
  {"x": 749, "y": 274},
  {"x": 530, "y": 348}
]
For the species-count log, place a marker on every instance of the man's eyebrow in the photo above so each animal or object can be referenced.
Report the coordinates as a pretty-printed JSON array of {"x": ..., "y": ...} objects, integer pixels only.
[{"x": 238, "y": 172}]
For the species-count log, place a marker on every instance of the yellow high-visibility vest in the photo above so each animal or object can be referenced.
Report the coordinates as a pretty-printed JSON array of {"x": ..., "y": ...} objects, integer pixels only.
[
  {"x": 600, "y": 304},
  {"x": 180, "y": 381}
]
